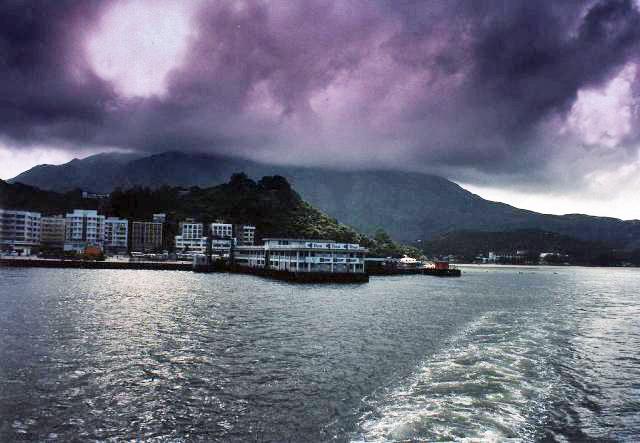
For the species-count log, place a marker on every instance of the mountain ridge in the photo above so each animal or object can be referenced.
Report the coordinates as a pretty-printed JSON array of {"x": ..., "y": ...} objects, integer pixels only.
[{"x": 412, "y": 207}]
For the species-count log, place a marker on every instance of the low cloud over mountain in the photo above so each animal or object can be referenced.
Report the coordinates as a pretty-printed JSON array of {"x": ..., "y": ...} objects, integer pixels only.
[{"x": 536, "y": 95}]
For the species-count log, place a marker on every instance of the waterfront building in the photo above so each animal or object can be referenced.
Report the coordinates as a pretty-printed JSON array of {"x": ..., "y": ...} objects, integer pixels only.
[
  {"x": 221, "y": 246},
  {"x": 247, "y": 234},
  {"x": 191, "y": 237},
  {"x": 116, "y": 235},
  {"x": 52, "y": 231},
  {"x": 146, "y": 236},
  {"x": 299, "y": 255},
  {"x": 19, "y": 231},
  {"x": 221, "y": 230},
  {"x": 83, "y": 228}
]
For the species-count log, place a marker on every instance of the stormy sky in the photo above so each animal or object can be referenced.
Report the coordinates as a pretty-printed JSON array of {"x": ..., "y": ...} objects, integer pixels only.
[{"x": 533, "y": 103}]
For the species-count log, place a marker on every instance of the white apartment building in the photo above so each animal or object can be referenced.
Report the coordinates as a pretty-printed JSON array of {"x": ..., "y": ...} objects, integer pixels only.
[
  {"x": 19, "y": 231},
  {"x": 52, "y": 231},
  {"x": 221, "y": 247},
  {"x": 299, "y": 255},
  {"x": 83, "y": 228},
  {"x": 221, "y": 230},
  {"x": 116, "y": 234},
  {"x": 191, "y": 238},
  {"x": 248, "y": 235}
]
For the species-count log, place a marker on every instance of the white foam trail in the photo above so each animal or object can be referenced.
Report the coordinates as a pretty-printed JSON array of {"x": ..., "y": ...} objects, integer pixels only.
[{"x": 487, "y": 384}]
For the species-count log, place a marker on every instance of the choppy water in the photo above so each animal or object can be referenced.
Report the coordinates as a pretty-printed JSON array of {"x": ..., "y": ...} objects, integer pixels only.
[{"x": 526, "y": 354}]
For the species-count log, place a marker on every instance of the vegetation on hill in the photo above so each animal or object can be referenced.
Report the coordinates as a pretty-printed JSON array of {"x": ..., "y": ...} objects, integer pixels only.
[
  {"x": 270, "y": 204},
  {"x": 29, "y": 198}
]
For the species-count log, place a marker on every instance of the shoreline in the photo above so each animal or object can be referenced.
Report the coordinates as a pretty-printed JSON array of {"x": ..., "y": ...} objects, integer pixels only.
[{"x": 298, "y": 277}]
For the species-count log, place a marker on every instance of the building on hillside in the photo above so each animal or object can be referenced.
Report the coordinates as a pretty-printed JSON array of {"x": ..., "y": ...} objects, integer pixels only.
[
  {"x": 146, "y": 236},
  {"x": 246, "y": 235},
  {"x": 116, "y": 235},
  {"x": 83, "y": 228},
  {"x": 94, "y": 195},
  {"x": 221, "y": 230},
  {"x": 52, "y": 231},
  {"x": 299, "y": 255},
  {"x": 191, "y": 238},
  {"x": 19, "y": 231},
  {"x": 159, "y": 218}
]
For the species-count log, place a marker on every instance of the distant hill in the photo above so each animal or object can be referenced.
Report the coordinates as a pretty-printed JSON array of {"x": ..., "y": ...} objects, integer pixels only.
[
  {"x": 411, "y": 207},
  {"x": 95, "y": 173},
  {"x": 470, "y": 244}
]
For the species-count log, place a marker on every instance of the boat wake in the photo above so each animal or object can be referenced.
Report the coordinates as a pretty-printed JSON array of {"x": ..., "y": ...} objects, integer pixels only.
[{"x": 488, "y": 383}]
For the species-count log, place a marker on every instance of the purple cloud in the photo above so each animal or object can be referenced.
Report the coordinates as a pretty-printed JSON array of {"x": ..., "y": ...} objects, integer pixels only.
[{"x": 467, "y": 89}]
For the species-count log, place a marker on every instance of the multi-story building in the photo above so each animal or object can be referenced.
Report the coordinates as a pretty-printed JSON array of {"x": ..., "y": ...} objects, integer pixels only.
[
  {"x": 19, "y": 231},
  {"x": 52, "y": 231},
  {"x": 221, "y": 230},
  {"x": 221, "y": 246},
  {"x": 298, "y": 255},
  {"x": 83, "y": 228},
  {"x": 116, "y": 235},
  {"x": 247, "y": 234},
  {"x": 191, "y": 237},
  {"x": 146, "y": 236}
]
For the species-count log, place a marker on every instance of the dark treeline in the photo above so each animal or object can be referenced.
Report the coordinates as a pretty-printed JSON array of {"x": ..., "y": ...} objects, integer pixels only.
[
  {"x": 467, "y": 245},
  {"x": 270, "y": 204}
]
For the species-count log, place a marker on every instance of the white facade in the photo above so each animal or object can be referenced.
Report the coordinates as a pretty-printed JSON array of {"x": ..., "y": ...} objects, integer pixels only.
[
  {"x": 299, "y": 255},
  {"x": 248, "y": 235},
  {"x": 221, "y": 247},
  {"x": 192, "y": 245},
  {"x": 83, "y": 228},
  {"x": 116, "y": 234},
  {"x": 221, "y": 230},
  {"x": 191, "y": 238},
  {"x": 19, "y": 230}
]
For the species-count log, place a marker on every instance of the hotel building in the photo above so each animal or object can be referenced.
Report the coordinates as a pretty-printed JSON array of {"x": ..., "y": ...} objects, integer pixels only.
[
  {"x": 221, "y": 230},
  {"x": 247, "y": 234},
  {"x": 116, "y": 235},
  {"x": 146, "y": 236},
  {"x": 83, "y": 228},
  {"x": 19, "y": 231},
  {"x": 221, "y": 247},
  {"x": 298, "y": 255},
  {"x": 191, "y": 238},
  {"x": 52, "y": 231}
]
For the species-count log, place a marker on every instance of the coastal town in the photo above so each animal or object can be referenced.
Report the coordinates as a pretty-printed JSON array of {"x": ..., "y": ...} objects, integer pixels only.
[{"x": 88, "y": 236}]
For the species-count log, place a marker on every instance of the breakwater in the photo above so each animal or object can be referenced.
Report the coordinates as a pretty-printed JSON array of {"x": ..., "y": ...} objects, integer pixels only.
[
  {"x": 305, "y": 277},
  {"x": 450, "y": 272},
  {"x": 294, "y": 277},
  {"x": 87, "y": 264}
]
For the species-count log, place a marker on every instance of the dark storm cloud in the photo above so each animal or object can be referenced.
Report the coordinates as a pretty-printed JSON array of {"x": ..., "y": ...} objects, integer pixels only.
[
  {"x": 46, "y": 88},
  {"x": 469, "y": 88}
]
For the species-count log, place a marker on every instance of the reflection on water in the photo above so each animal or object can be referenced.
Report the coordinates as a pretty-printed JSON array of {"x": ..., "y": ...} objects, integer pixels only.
[{"x": 522, "y": 353}]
